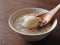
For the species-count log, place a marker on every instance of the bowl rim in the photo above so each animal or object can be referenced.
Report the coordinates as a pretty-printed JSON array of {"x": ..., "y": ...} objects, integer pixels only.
[{"x": 32, "y": 34}]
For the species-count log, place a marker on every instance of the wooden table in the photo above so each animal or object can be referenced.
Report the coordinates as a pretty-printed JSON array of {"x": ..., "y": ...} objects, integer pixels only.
[{"x": 9, "y": 37}]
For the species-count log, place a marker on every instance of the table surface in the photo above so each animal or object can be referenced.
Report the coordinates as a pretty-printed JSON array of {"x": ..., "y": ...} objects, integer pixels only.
[{"x": 9, "y": 37}]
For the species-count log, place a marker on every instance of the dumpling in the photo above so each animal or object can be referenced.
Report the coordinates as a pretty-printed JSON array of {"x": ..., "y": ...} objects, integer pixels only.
[{"x": 30, "y": 22}]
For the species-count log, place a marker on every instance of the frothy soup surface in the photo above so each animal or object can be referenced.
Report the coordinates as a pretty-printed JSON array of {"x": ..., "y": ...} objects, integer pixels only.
[{"x": 33, "y": 31}]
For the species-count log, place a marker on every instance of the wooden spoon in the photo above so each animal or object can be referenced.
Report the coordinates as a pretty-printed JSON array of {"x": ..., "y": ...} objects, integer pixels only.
[{"x": 48, "y": 17}]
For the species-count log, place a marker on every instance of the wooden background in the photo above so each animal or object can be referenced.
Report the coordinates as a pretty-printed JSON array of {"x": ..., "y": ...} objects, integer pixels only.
[{"x": 9, "y": 37}]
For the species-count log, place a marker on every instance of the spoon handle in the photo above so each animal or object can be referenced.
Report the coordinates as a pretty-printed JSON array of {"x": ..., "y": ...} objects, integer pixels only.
[{"x": 52, "y": 13}]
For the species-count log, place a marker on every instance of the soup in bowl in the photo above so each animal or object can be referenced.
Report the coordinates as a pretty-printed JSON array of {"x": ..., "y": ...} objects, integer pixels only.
[{"x": 18, "y": 24}]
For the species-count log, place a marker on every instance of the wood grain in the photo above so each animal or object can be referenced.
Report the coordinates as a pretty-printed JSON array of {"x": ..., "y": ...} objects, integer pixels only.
[{"x": 9, "y": 37}]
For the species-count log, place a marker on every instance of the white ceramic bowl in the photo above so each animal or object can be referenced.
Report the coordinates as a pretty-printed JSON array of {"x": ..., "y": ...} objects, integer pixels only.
[{"x": 26, "y": 36}]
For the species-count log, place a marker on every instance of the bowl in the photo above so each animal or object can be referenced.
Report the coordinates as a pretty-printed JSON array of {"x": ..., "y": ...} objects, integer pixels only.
[{"x": 27, "y": 37}]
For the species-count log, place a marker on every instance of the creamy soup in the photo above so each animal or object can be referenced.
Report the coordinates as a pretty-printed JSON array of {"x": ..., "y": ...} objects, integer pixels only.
[{"x": 33, "y": 31}]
